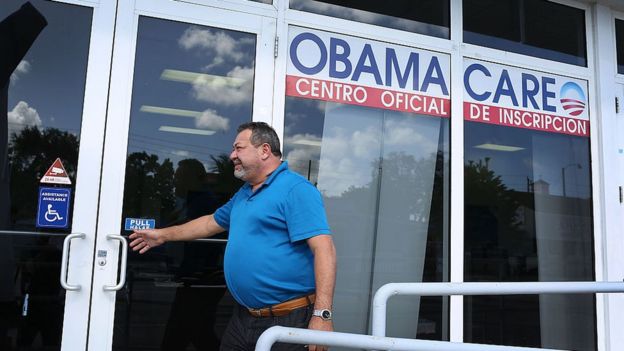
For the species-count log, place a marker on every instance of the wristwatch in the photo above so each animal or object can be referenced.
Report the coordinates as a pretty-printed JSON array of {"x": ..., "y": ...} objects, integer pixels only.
[{"x": 324, "y": 314}]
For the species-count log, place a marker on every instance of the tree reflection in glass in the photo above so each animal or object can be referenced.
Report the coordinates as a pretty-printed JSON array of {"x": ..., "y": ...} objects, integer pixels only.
[{"x": 528, "y": 217}]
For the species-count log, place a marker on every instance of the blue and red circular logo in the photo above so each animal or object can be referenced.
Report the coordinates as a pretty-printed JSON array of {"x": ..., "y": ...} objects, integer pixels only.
[{"x": 572, "y": 98}]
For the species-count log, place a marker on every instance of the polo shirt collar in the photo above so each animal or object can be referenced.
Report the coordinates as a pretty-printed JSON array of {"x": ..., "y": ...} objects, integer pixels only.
[{"x": 282, "y": 167}]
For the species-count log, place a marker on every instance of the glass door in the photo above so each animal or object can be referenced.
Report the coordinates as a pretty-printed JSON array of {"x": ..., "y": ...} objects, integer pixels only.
[
  {"x": 51, "y": 134},
  {"x": 184, "y": 77}
]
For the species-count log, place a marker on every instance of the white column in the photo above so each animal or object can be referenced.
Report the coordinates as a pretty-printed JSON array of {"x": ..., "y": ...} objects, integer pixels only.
[
  {"x": 609, "y": 255},
  {"x": 457, "y": 166}
]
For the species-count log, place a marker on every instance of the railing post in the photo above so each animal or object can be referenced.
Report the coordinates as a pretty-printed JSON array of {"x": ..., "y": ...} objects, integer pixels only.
[{"x": 380, "y": 303}]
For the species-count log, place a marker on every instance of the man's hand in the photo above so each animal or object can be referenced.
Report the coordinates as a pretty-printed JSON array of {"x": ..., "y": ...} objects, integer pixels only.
[
  {"x": 145, "y": 239},
  {"x": 317, "y": 323}
]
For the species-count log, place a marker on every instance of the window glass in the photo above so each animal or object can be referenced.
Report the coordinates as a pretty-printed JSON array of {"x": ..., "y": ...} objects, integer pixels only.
[
  {"x": 383, "y": 176},
  {"x": 42, "y": 79},
  {"x": 619, "y": 43},
  {"x": 367, "y": 123},
  {"x": 38, "y": 129},
  {"x": 528, "y": 205},
  {"x": 430, "y": 17},
  {"x": 526, "y": 27},
  {"x": 528, "y": 217},
  {"x": 192, "y": 87}
]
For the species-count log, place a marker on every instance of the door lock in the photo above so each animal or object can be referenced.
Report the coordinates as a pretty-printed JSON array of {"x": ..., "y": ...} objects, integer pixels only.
[{"x": 101, "y": 258}]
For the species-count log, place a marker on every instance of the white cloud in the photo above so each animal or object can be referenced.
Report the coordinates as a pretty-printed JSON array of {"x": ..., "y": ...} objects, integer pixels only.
[
  {"x": 302, "y": 139},
  {"x": 231, "y": 92},
  {"x": 223, "y": 47},
  {"x": 22, "y": 116},
  {"x": 408, "y": 132},
  {"x": 209, "y": 119},
  {"x": 215, "y": 62},
  {"x": 303, "y": 148},
  {"x": 347, "y": 159},
  {"x": 22, "y": 69},
  {"x": 223, "y": 50}
]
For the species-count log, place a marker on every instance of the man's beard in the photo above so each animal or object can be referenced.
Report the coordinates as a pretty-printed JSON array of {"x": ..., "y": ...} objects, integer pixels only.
[{"x": 240, "y": 174}]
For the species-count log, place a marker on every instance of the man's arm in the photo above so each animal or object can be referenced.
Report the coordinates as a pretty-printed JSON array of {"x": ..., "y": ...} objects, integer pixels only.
[
  {"x": 201, "y": 227},
  {"x": 322, "y": 247}
]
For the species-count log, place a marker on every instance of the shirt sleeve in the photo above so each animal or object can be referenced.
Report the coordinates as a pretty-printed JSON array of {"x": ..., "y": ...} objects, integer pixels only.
[
  {"x": 222, "y": 214},
  {"x": 305, "y": 213}
]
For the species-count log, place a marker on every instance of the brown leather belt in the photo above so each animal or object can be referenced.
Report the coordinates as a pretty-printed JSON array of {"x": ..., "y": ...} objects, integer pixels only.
[{"x": 284, "y": 308}]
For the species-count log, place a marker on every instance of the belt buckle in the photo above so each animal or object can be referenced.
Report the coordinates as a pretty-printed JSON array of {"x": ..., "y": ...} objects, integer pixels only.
[{"x": 255, "y": 312}]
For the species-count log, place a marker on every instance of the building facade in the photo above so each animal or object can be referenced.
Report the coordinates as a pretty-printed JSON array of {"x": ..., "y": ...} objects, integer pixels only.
[{"x": 452, "y": 140}]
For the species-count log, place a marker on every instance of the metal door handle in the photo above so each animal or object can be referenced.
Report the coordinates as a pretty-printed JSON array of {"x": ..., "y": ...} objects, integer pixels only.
[
  {"x": 124, "y": 261},
  {"x": 65, "y": 259}
]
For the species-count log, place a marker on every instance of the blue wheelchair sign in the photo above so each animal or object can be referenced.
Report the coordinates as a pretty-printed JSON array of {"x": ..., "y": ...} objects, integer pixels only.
[{"x": 53, "y": 209}]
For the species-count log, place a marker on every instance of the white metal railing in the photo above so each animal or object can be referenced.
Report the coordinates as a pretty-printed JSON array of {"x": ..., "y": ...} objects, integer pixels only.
[
  {"x": 445, "y": 289},
  {"x": 315, "y": 337},
  {"x": 380, "y": 342}
]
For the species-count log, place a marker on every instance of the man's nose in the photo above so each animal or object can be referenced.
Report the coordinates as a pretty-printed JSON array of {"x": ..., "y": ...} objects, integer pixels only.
[{"x": 233, "y": 155}]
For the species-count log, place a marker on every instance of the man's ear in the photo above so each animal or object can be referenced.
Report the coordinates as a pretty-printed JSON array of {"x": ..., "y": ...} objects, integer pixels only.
[{"x": 266, "y": 151}]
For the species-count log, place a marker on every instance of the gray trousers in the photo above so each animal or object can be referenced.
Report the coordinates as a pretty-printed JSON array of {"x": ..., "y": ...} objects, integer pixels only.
[{"x": 243, "y": 330}]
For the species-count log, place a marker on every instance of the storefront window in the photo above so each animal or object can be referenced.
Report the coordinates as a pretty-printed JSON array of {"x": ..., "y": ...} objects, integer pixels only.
[
  {"x": 379, "y": 154},
  {"x": 382, "y": 175},
  {"x": 430, "y": 17},
  {"x": 526, "y": 27},
  {"x": 528, "y": 206},
  {"x": 619, "y": 43}
]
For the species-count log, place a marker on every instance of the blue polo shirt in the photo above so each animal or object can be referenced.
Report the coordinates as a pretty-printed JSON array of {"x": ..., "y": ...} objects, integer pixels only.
[{"x": 267, "y": 259}]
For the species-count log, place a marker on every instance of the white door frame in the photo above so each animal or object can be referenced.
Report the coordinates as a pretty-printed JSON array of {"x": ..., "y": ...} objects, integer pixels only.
[
  {"x": 80, "y": 262},
  {"x": 117, "y": 127}
]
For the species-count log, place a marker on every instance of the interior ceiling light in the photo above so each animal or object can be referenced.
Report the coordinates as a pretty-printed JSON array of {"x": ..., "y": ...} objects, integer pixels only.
[
  {"x": 194, "y": 77},
  {"x": 498, "y": 147},
  {"x": 308, "y": 142},
  {"x": 186, "y": 130},
  {"x": 170, "y": 111}
]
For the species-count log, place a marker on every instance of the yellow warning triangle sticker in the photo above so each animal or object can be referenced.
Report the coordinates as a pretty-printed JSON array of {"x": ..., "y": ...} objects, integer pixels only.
[{"x": 56, "y": 174}]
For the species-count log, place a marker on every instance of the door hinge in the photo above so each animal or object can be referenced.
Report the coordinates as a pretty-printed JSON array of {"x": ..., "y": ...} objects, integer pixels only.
[
  {"x": 621, "y": 195},
  {"x": 276, "y": 47},
  {"x": 617, "y": 104}
]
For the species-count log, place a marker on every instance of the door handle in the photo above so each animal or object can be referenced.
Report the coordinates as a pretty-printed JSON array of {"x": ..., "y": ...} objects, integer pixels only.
[
  {"x": 65, "y": 259},
  {"x": 124, "y": 261}
]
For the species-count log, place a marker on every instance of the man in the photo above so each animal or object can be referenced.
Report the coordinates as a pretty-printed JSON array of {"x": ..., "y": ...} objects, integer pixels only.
[{"x": 280, "y": 260}]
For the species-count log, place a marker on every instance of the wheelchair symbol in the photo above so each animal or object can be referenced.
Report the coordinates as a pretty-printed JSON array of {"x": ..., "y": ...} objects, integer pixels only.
[{"x": 51, "y": 215}]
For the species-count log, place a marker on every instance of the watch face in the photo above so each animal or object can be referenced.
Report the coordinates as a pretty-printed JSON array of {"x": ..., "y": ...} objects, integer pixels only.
[{"x": 326, "y": 314}]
